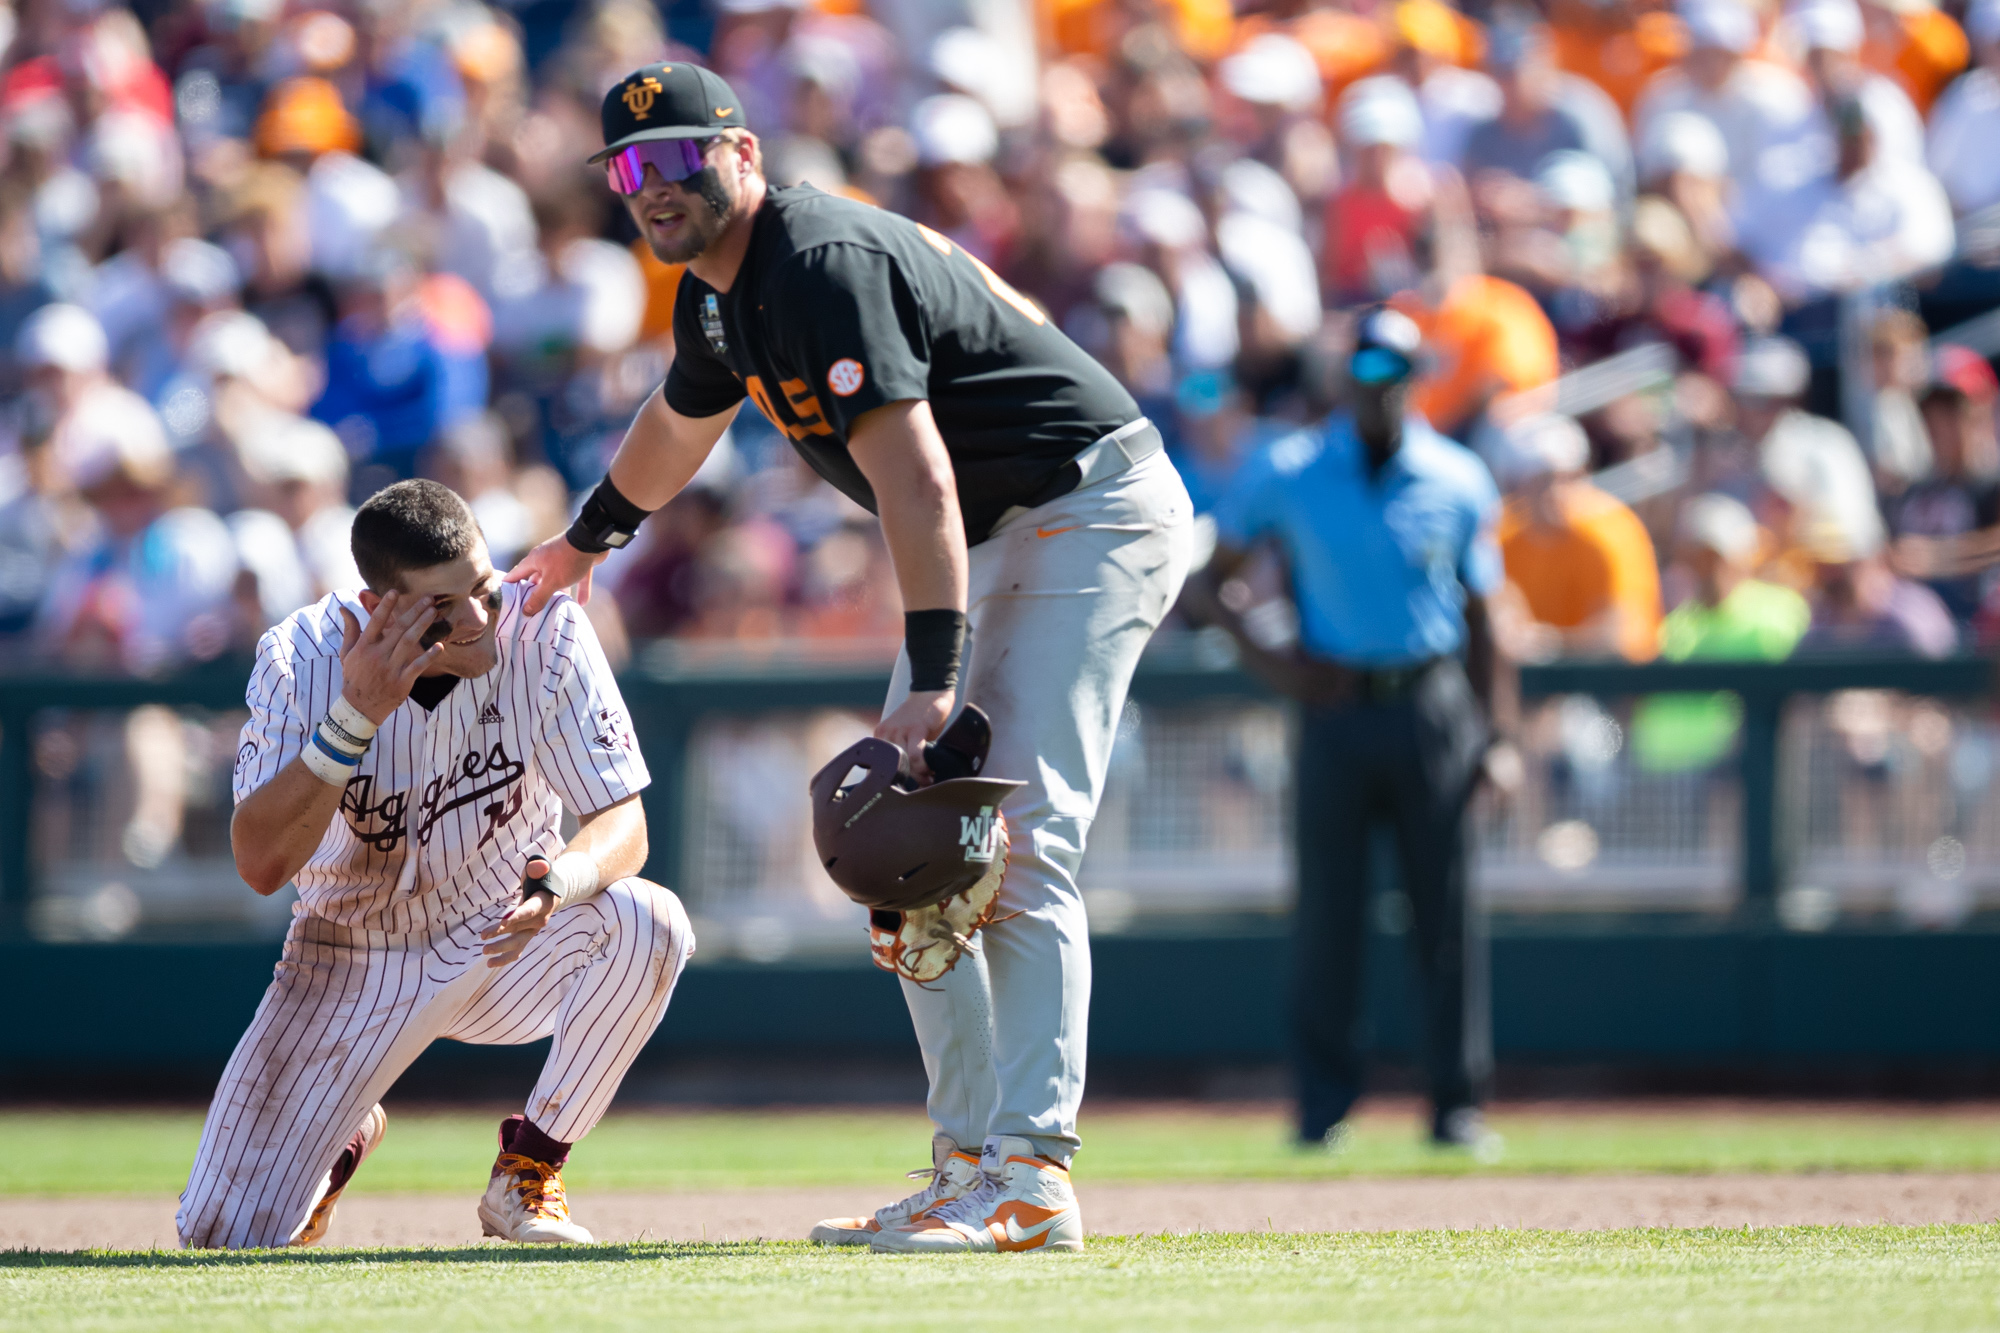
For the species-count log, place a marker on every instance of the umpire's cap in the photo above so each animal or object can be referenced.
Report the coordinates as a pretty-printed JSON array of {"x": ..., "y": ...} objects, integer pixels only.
[
  {"x": 897, "y": 849},
  {"x": 667, "y": 101},
  {"x": 1388, "y": 347}
]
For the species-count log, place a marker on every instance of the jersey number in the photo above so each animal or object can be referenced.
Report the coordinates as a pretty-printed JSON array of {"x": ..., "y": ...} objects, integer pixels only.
[
  {"x": 805, "y": 418},
  {"x": 996, "y": 284}
]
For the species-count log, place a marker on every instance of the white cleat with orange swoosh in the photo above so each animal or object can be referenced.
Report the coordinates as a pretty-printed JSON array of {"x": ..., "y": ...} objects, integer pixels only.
[{"x": 1024, "y": 1203}]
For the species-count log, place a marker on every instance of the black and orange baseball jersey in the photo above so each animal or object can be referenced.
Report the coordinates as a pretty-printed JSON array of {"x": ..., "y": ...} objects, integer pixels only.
[{"x": 840, "y": 307}]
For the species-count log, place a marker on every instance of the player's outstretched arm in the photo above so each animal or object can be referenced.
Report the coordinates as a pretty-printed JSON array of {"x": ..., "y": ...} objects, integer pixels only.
[
  {"x": 609, "y": 845},
  {"x": 661, "y": 452},
  {"x": 277, "y": 827},
  {"x": 898, "y": 448}
]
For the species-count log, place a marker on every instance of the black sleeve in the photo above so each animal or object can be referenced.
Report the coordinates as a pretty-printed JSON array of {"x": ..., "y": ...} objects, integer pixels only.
[
  {"x": 855, "y": 328},
  {"x": 698, "y": 383}
]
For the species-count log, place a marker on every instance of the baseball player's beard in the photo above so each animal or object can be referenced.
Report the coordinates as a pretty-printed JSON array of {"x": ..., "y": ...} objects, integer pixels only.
[{"x": 701, "y": 232}]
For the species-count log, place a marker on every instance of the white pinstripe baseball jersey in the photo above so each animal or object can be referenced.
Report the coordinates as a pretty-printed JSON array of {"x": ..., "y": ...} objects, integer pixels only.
[{"x": 438, "y": 823}]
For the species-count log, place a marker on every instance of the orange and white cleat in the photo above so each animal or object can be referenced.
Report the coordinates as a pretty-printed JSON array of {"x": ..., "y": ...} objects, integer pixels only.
[
  {"x": 955, "y": 1174},
  {"x": 373, "y": 1126},
  {"x": 524, "y": 1202},
  {"x": 1023, "y": 1203}
]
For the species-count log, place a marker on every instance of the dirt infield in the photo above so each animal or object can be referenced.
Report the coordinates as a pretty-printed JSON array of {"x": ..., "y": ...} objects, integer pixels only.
[{"x": 1570, "y": 1203}]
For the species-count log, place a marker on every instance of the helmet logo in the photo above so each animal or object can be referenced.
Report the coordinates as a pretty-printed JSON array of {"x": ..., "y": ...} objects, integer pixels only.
[
  {"x": 638, "y": 97},
  {"x": 976, "y": 834}
]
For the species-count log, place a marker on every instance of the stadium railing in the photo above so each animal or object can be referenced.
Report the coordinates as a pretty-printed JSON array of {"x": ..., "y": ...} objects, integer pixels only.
[
  {"x": 706, "y": 716},
  {"x": 1824, "y": 891}
]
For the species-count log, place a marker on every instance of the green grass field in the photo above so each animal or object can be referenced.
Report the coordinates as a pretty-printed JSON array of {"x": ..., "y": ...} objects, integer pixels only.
[
  {"x": 141, "y": 1152},
  {"x": 1875, "y": 1278},
  {"x": 1805, "y": 1278}
]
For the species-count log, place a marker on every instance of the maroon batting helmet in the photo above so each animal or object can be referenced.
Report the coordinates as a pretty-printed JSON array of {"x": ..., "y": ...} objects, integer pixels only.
[{"x": 890, "y": 847}]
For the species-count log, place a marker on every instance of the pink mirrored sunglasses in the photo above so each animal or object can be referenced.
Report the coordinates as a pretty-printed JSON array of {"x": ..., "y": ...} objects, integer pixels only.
[{"x": 674, "y": 159}]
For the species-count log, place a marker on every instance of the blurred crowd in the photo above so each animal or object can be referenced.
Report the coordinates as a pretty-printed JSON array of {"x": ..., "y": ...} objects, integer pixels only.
[{"x": 260, "y": 257}]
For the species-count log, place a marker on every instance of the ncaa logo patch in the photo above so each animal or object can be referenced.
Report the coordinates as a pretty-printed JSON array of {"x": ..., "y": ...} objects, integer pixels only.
[{"x": 844, "y": 376}]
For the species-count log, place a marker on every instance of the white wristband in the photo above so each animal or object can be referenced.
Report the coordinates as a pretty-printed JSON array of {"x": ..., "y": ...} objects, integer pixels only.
[
  {"x": 325, "y": 767},
  {"x": 574, "y": 876},
  {"x": 352, "y": 720}
]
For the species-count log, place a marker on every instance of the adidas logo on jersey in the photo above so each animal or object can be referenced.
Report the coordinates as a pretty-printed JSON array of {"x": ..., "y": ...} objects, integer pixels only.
[{"x": 489, "y": 716}]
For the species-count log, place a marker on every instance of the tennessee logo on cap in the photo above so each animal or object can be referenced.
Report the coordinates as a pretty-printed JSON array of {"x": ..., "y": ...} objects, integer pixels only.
[
  {"x": 844, "y": 376},
  {"x": 638, "y": 97}
]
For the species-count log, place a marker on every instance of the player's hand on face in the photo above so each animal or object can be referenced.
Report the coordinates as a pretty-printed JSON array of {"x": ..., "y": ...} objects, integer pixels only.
[
  {"x": 919, "y": 718},
  {"x": 551, "y": 567},
  {"x": 379, "y": 664},
  {"x": 511, "y": 933}
]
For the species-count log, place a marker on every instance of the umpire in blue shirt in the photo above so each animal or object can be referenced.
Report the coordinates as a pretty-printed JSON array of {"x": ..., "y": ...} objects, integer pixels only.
[{"x": 1386, "y": 528}]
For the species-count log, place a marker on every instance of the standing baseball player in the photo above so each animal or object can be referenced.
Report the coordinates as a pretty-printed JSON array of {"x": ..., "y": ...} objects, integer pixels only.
[
  {"x": 409, "y": 753},
  {"x": 1039, "y": 535}
]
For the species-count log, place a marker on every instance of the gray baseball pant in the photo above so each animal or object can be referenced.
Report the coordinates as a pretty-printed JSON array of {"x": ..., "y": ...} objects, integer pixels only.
[{"x": 1062, "y": 599}]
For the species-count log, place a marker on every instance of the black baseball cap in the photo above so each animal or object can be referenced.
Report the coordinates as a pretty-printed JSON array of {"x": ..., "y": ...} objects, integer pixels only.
[
  {"x": 1388, "y": 347},
  {"x": 667, "y": 101}
]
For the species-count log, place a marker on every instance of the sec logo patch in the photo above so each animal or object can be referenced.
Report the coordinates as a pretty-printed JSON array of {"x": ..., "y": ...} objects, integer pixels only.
[{"x": 844, "y": 376}]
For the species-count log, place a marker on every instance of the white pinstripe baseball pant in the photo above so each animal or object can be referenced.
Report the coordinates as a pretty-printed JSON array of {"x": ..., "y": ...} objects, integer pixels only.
[{"x": 348, "y": 1010}]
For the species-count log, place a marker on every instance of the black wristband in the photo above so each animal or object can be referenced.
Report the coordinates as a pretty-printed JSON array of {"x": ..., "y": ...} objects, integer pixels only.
[
  {"x": 607, "y": 520},
  {"x": 934, "y": 640}
]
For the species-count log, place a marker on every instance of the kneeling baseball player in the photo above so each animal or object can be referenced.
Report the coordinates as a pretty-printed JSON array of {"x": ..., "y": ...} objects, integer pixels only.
[{"x": 409, "y": 753}]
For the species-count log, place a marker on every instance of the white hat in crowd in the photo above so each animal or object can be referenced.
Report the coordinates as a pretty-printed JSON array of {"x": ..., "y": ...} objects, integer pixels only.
[
  {"x": 1164, "y": 217},
  {"x": 1577, "y": 182},
  {"x": 1546, "y": 443},
  {"x": 1771, "y": 368},
  {"x": 1683, "y": 141},
  {"x": 1722, "y": 524},
  {"x": 1248, "y": 186},
  {"x": 199, "y": 273},
  {"x": 114, "y": 430},
  {"x": 1273, "y": 70},
  {"x": 1381, "y": 110},
  {"x": 1828, "y": 25},
  {"x": 289, "y": 448},
  {"x": 826, "y": 62},
  {"x": 953, "y": 128},
  {"x": 965, "y": 58},
  {"x": 1137, "y": 294},
  {"x": 65, "y": 336},
  {"x": 230, "y": 343},
  {"x": 1719, "y": 25}
]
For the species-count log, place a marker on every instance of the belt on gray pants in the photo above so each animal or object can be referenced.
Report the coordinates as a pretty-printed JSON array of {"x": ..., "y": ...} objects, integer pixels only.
[
  {"x": 1111, "y": 455},
  {"x": 1107, "y": 456}
]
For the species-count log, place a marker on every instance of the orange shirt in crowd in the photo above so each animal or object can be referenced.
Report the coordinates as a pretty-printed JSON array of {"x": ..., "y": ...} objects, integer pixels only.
[
  {"x": 1486, "y": 337},
  {"x": 1617, "y": 59},
  {"x": 1923, "y": 51},
  {"x": 1205, "y": 28},
  {"x": 1599, "y": 559},
  {"x": 1436, "y": 29},
  {"x": 1347, "y": 47},
  {"x": 663, "y": 283}
]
